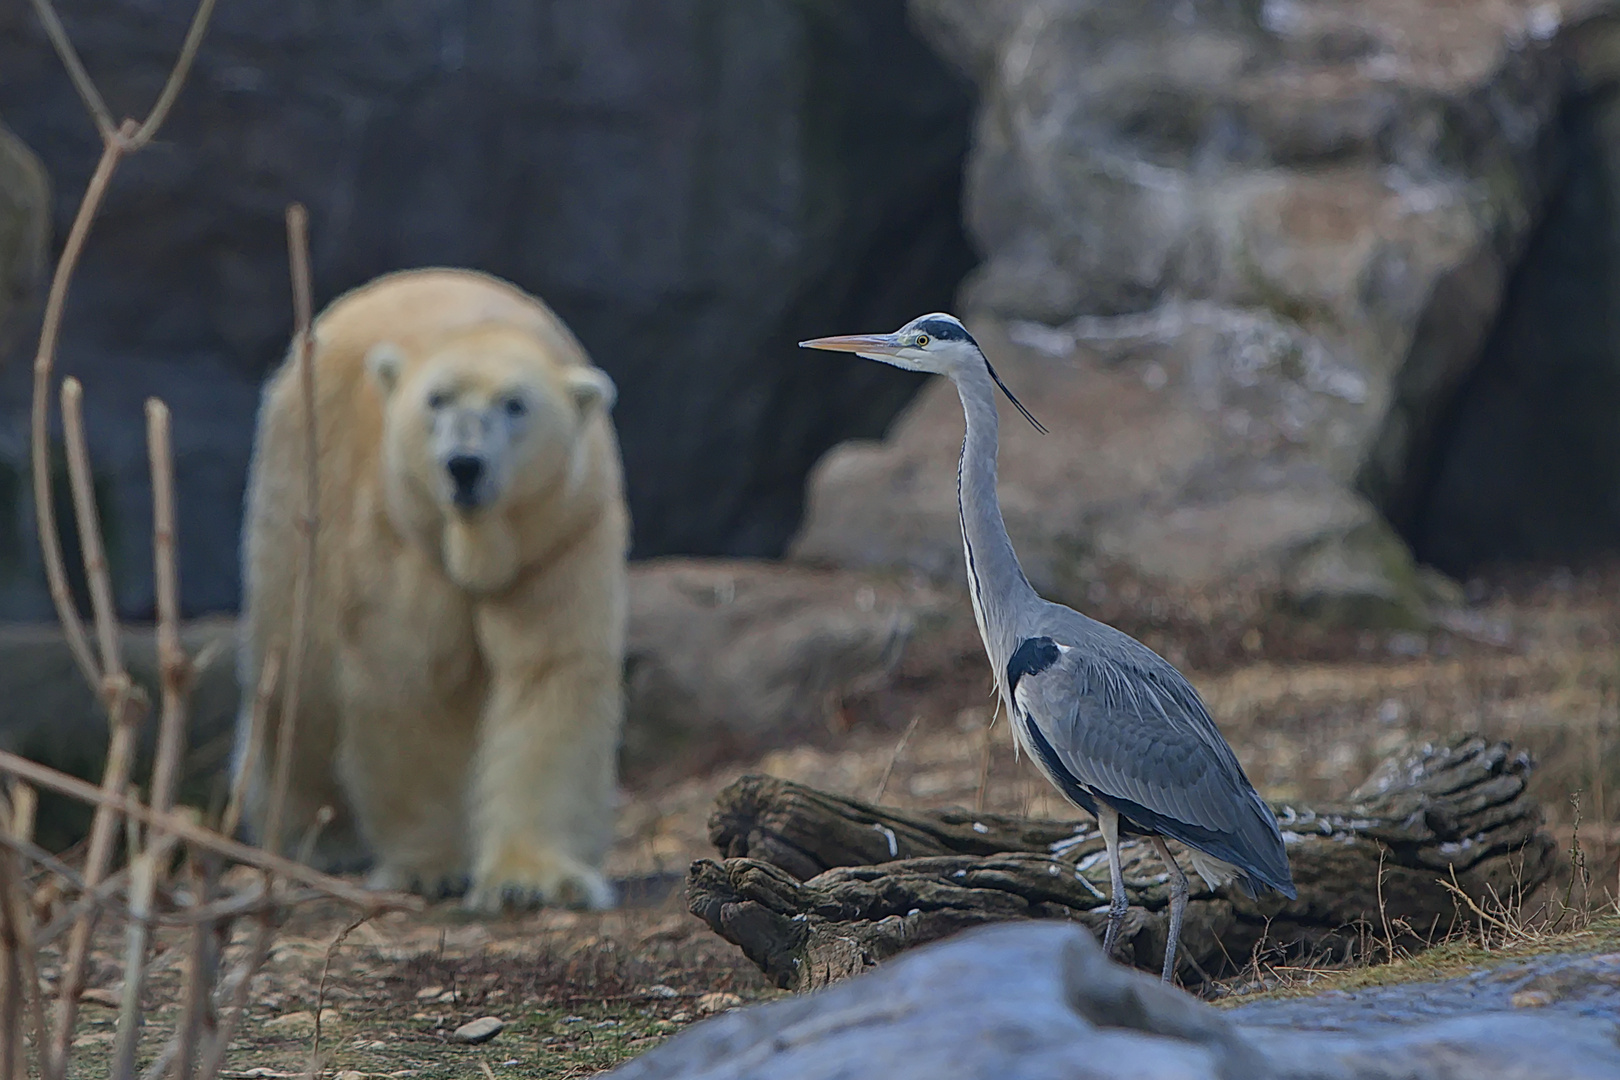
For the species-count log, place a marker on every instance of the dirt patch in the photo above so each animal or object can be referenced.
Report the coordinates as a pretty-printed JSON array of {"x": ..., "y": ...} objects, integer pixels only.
[{"x": 1309, "y": 713}]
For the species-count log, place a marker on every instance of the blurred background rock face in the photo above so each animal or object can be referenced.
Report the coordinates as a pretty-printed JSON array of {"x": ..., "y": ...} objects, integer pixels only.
[
  {"x": 1302, "y": 288},
  {"x": 693, "y": 186}
]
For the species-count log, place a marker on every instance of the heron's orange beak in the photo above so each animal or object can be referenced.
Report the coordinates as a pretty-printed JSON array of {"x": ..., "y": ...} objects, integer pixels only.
[{"x": 864, "y": 344}]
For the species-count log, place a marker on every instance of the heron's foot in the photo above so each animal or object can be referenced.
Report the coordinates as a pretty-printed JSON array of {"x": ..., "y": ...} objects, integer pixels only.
[{"x": 1116, "y": 919}]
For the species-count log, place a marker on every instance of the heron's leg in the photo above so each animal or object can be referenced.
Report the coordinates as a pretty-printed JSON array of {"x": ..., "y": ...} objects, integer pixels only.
[
  {"x": 1117, "y": 902},
  {"x": 1178, "y": 906}
]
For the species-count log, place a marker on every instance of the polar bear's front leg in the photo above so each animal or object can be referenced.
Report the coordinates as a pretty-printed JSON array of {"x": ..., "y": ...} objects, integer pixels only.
[{"x": 543, "y": 786}]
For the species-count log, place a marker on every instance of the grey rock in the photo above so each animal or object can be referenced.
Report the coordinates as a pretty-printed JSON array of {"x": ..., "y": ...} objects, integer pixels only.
[
  {"x": 1028, "y": 1001},
  {"x": 1240, "y": 258},
  {"x": 25, "y": 205},
  {"x": 730, "y": 656},
  {"x": 48, "y": 713},
  {"x": 693, "y": 187},
  {"x": 478, "y": 1031}
]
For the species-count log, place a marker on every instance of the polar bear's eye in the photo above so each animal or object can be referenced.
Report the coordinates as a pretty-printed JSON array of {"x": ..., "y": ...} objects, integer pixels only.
[
  {"x": 438, "y": 399},
  {"x": 515, "y": 406}
]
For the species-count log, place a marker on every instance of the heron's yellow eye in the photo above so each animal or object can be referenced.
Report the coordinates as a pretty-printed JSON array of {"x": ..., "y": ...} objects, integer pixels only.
[{"x": 922, "y": 339}]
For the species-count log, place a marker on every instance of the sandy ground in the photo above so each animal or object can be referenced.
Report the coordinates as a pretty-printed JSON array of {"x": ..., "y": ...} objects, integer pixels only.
[{"x": 1534, "y": 660}]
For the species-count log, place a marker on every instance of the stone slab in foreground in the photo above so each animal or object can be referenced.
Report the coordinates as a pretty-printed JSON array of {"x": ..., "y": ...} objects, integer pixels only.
[{"x": 1030, "y": 1001}]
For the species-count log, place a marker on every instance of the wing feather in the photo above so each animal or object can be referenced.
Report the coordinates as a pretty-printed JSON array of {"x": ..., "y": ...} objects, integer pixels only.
[{"x": 1126, "y": 725}]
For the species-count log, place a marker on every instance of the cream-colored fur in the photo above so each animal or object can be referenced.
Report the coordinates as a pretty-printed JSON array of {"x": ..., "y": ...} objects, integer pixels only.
[{"x": 461, "y": 700}]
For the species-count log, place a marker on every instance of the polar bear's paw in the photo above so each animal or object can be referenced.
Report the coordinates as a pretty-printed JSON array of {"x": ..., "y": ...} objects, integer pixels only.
[
  {"x": 434, "y": 885},
  {"x": 522, "y": 879}
]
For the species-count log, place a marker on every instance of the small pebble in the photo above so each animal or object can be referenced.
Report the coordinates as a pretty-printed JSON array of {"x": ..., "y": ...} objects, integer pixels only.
[
  {"x": 428, "y": 993},
  {"x": 477, "y": 1031},
  {"x": 659, "y": 990}
]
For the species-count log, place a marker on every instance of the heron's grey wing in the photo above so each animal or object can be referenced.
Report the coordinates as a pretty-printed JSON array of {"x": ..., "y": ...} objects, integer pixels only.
[{"x": 1138, "y": 732}]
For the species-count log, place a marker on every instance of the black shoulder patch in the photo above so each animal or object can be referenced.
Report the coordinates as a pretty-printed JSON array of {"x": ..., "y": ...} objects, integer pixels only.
[{"x": 1033, "y": 656}]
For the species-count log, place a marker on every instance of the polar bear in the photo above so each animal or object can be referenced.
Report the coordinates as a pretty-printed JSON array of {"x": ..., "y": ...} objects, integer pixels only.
[{"x": 461, "y": 697}]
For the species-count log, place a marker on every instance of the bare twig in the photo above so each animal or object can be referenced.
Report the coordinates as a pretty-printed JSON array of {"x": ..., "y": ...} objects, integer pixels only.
[
  {"x": 21, "y": 975},
  {"x": 75, "y": 69},
  {"x": 147, "y": 867},
  {"x": 984, "y": 765},
  {"x": 177, "y": 76},
  {"x": 286, "y": 730},
  {"x": 192, "y": 833},
  {"x": 269, "y": 671},
  {"x": 257, "y": 952},
  {"x": 143, "y": 874},
  {"x": 315, "y": 1068},
  {"x": 50, "y": 543},
  {"x": 103, "y": 828},
  {"x": 172, "y": 661},
  {"x": 24, "y": 805},
  {"x": 888, "y": 770},
  {"x": 1456, "y": 890},
  {"x": 14, "y": 985},
  {"x": 81, "y": 477},
  {"x": 201, "y": 972},
  {"x": 298, "y": 252}
]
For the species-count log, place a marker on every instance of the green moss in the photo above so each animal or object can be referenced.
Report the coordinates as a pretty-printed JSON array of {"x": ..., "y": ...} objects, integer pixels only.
[
  {"x": 1446, "y": 960},
  {"x": 1365, "y": 578}
]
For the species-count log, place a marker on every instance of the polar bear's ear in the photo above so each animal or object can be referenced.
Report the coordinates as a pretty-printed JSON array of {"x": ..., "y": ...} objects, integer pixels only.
[
  {"x": 592, "y": 388},
  {"x": 384, "y": 361}
]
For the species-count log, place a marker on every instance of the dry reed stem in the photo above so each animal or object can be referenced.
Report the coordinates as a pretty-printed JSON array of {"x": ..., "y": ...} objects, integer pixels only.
[
  {"x": 24, "y": 806},
  {"x": 888, "y": 770},
  {"x": 125, "y": 706},
  {"x": 82, "y": 82},
  {"x": 82, "y": 480},
  {"x": 108, "y": 677},
  {"x": 12, "y": 986},
  {"x": 22, "y": 969},
  {"x": 143, "y": 873},
  {"x": 103, "y": 829},
  {"x": 50, "y": 541},
  {"x": 199, "y": 986},
  {"x": 257, "y": 952},
  {"x": 145, "y": 869},
  {"x": 365, "y": 899},
  {"x": 173, "y": 664},
  {"x": 315, "y": 1067},
  {"x": 177, "y": 76},
  {"x": 287, "y": 729},
  {"x": 268, "y": 674}
]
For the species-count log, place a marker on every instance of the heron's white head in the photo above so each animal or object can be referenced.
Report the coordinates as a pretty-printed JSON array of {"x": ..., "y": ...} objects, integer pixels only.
[{"x": 938, "y": 344}]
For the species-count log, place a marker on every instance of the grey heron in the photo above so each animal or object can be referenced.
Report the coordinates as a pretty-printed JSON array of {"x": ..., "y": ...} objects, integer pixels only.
[{"x": 1113, "y": 725}]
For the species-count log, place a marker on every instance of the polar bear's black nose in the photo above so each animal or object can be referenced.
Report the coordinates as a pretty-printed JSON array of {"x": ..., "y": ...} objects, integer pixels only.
[{"x": 465, "y": 471}]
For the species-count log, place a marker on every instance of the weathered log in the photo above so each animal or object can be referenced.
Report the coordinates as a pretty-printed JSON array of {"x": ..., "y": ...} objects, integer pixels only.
[{"x": 816, "y": 886}]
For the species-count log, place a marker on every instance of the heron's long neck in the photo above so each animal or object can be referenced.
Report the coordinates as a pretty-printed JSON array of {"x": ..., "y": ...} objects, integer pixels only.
[{"x": 995, "y": 579}]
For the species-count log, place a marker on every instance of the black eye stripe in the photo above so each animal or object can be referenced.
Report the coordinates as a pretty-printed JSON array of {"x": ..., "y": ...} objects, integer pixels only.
[{"x": 940, "y": 330}]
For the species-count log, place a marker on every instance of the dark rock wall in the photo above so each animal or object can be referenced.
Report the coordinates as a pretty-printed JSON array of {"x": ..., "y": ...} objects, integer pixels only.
[
  {"x": 1527, "y": 460},
  {"x": 693, "y": 185}
]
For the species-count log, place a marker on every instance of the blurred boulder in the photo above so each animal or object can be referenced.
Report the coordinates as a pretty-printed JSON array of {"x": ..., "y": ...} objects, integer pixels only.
[
  {"x": 693, "y": 187},
  {"x": 725, "y": 658},
  {"x": 49, "y": 713},
  {"x": 728, "y": 657},
  {"x": 1240, "y": 258},
  {"x": 25, "y": 205}
]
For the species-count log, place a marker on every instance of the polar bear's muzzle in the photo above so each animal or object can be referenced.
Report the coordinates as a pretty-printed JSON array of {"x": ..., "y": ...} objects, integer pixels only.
[{"x": 467, "y": 480}]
